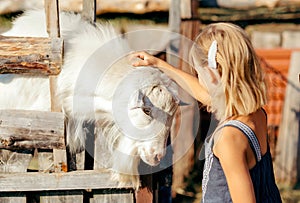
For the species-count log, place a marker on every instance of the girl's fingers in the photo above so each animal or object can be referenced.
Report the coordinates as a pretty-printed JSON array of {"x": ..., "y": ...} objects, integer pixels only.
[
  {"x": 140, "y": 63},
  {"x": 140, "y": 55},
  {"x": 139, "y": 59}
]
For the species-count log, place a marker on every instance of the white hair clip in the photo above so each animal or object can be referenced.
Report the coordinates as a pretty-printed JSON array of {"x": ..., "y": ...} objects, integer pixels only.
[{"x": 212, "y": 52}]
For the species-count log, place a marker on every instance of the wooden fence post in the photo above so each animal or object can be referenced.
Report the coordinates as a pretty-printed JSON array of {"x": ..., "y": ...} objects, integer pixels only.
[
  {"x": 53, "y": 29},
  {"x": 58, "y": 157},
  {"x": 89, "y": 10},
  {"x": 187, "y": 24},
  {"x": 287, "y": 165},
  {"x": 174, "y": 26},
  {"x": 23, "y": 131}
]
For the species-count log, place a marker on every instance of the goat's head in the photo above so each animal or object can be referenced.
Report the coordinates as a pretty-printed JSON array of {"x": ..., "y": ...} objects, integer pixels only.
[
  {"x": 137, "y": 120},
  {"x": 151, "y": 112},
  {"x": 144, "y": 107}
]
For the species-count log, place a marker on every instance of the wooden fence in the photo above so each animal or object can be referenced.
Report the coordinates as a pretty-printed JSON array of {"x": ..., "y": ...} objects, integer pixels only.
[
  {"x": 22, "y": 132},
  {"x": 26, "y": 175},
  {"x": 34, "y": 159}
]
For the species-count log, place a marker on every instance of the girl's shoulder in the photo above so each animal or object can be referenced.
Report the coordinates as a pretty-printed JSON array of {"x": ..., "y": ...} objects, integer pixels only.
[
  {"x": 256, "y": 123},
  {"x": 236, "y": 135},
  {"x": 230, "y": 140}
]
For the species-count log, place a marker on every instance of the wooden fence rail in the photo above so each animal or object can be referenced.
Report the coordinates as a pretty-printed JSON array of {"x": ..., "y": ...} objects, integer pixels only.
[
  {"x": 21, "y": 129},
  {"x": 31, "y": 55},
  {"x": 75, "y": 180}
]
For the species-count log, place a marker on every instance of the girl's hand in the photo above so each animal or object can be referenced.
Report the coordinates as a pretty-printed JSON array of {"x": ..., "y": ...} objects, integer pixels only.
[
  {"x": 188, "y": 82},
  {"x": 146, "y": 59}
]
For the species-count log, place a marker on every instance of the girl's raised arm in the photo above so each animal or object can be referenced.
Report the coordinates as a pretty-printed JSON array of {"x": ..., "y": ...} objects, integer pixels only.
[{"x": 185, "y": 80}]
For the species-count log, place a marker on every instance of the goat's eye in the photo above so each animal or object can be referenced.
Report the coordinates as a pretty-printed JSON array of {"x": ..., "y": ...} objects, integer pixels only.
[{"x": 147, "y": 110}]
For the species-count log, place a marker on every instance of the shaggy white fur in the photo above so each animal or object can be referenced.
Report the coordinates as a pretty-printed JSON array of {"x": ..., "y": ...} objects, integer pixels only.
[{"x": 132, "y": 108}]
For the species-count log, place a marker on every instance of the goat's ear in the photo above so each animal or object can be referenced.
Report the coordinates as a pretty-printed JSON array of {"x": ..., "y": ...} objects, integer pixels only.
[
  {"x": 178, "y": 101},
  {"x": 182, "y": 103},
  {"x": 175, "y": 96},
  {"x": 139, "y": 99},
  {"x": 136, "y": 100}
]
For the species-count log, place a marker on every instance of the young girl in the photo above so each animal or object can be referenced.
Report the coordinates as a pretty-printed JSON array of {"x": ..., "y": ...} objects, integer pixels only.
[{"x": 238, "y": 165}]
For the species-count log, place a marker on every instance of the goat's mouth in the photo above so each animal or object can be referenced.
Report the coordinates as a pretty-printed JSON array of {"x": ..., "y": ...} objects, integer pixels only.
[{"x": 152, "y": 160}]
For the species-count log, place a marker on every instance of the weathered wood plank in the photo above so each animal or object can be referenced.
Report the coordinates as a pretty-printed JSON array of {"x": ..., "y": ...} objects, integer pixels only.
[
  {"x": 138, "y": 7},
  {"x": 31, "y": 55},
  {"x": 53, "y": 28},
  {"x": 14, "y": 161},
  {"x": 52, "y": 18},
  {"x": 12, "y": 197},
  {"x": 174, "y": 16},
  {"x": 290, "y": 39},
  {"x": 55, "y": 106},
  {"x": 52, "y": 161},
  {"x": 76, "y": 180},
  {"x": 62, "y": 196},
  {"x": 31, "y": 129},
  {"x": 113, "y": 196},
  {"x": 186, "y": 9},
  {"x": 182, "y": 132},
  {"x": 189, "y": 9},
  {"x": 89, "y": 10},
  {"x": 174, "y": 26},
  {"x": 60, "y": 160},
  {"x": 258, "y": 13},
  {"x": 45, "y": 161},
  {"x": 80, "y": 160},
  {"x": 172, "y": 51},
  {"x": 105, "y": 6}
]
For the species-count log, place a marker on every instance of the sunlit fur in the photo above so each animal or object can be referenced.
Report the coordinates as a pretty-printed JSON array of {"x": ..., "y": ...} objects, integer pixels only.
[{"x": 81, "y": 40}]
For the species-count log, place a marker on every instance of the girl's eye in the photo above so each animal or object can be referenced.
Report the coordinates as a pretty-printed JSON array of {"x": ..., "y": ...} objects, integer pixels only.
[{"x": 147, "y": 110}]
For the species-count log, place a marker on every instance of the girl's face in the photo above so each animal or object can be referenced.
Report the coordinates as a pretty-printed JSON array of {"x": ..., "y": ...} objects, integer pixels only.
[
  {"x": 208, "y": 77},
  {"x": 205, "y": 63}
]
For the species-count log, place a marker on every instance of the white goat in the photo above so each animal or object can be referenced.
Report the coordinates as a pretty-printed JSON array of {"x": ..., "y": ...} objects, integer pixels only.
[{"x": 133, "y": 108}]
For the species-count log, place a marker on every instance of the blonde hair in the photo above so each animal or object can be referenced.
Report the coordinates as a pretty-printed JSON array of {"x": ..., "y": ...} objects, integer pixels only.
[{"x": 242, "y": 78}]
